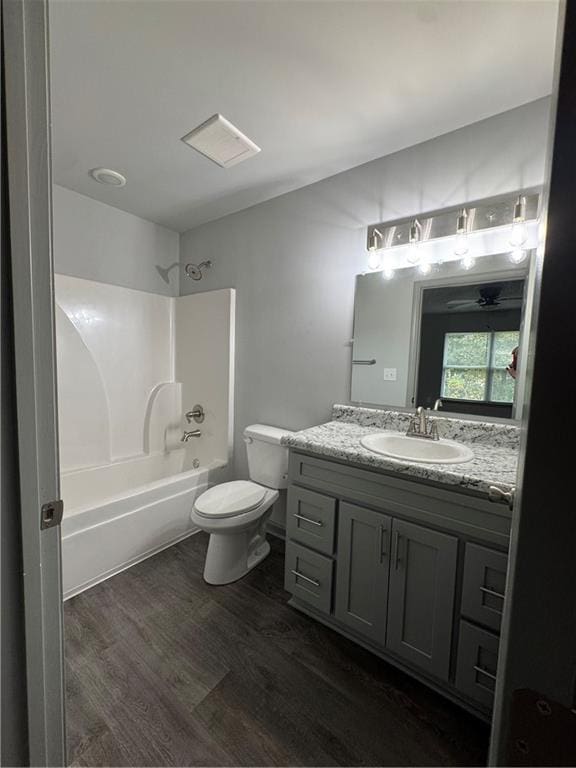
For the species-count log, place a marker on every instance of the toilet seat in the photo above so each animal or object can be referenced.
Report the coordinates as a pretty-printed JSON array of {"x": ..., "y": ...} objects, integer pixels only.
[{"x": 230, "y": 499}]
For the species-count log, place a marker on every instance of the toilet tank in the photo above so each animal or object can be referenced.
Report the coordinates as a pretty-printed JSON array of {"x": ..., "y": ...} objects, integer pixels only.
[{"x": 267, "y": 459}]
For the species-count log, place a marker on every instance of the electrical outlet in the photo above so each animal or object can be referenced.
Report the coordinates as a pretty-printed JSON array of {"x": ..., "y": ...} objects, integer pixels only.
[{"x": 390, "y": 374}]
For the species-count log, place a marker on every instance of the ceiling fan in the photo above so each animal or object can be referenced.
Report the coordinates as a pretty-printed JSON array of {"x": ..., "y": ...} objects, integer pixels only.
[{"x": 489, "y": 297}]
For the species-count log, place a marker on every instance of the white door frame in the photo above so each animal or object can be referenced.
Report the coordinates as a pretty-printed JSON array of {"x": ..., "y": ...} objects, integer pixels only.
[{"x": 25, "y": 25}]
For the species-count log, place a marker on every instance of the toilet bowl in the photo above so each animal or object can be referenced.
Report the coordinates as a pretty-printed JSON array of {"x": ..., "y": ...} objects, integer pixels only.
[{"x": 235, "y": 513}]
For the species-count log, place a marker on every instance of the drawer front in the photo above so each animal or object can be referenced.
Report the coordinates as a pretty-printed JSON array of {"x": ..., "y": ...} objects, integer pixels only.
[
  {"x": 311, "y": 519},
  {"x": 477, "y": 664},
  {"x": 483, "y": 585},
  {"x": 308, "y": 576}
]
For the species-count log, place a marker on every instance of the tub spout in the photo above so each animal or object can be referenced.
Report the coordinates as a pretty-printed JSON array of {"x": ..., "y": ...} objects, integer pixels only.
[{"x": 189, "y": 435}]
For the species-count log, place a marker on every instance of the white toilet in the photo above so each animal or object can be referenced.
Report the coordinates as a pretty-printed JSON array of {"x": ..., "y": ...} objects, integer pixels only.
[{"x": 235, "y": 513}]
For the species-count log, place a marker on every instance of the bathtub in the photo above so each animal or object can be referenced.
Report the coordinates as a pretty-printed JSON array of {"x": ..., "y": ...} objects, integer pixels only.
[{"x": 119, "y": 514}]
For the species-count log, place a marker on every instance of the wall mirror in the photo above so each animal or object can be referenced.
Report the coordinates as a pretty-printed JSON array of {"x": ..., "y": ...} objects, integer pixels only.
[{"x": 452, "y": 335}]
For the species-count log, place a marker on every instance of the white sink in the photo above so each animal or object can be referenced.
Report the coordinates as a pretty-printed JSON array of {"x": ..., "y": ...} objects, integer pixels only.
[{"x": 399, "y": 446}]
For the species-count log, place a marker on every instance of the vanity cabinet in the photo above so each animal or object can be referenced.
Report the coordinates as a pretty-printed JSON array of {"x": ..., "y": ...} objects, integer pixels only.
[{"x": 412, "y": 571}]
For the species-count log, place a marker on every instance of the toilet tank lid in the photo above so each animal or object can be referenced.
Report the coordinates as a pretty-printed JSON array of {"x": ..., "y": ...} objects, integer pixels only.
[{"x": 265, "y": 433}]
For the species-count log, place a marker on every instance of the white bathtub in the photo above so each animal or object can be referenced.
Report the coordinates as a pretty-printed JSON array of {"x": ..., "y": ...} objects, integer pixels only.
[{"x": 117, "y": 515}]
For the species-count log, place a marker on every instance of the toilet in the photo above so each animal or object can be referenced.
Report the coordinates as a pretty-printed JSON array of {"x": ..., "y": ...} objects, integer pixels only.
[{"x": 235, "y": 513}]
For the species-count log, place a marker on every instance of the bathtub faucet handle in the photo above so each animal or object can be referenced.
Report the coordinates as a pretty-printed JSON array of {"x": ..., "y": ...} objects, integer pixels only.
[
  {"x": 189, "y": 435},
  {"x": 197, "y": 414}
]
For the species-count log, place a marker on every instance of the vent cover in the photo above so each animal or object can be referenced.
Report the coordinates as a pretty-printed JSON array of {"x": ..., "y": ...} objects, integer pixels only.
[{"x": 219, "y": 141}]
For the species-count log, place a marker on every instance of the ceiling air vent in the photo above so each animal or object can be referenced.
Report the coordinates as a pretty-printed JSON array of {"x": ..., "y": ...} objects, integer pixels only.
[{"x": 219, "y": 141}]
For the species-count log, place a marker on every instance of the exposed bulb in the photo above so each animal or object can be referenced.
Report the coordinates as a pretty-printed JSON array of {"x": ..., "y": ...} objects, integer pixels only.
[
  {"x": 374, "y": 259},
  {"x": 518, "y": 255},
  {"x": 388, "y": 273},
  {"x": 425, "y": 268},
  {"x": 468, "y": 262},
  {"x": 518, "y": 235},
  {"x": 461, "y": 246}
]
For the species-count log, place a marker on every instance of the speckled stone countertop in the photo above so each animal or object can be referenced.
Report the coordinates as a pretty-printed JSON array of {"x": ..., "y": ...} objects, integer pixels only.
[{"x": 495, "y": 447}]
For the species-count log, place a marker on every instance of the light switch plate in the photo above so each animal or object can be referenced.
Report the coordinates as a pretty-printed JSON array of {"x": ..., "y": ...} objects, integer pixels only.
[{"x": 390, "y": 374}]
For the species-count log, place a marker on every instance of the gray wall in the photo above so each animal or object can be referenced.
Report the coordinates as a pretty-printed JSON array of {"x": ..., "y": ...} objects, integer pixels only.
[
  {"x": 293, "y": 259},
  {"x": 97, "y": 242}
]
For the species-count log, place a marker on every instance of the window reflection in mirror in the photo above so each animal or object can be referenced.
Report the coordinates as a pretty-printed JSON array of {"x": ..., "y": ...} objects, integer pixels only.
[
  {"x": 469, "y": 335},
  {"x": 453, "y": 335}
]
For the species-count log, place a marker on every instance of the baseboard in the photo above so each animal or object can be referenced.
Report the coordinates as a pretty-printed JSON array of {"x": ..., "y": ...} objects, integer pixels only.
[{"x": 124, "y": 567}]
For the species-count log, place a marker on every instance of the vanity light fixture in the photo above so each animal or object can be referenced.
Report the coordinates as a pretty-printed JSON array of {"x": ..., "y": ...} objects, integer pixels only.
[
  {"x": 388, "y": 272},
  {"x": 375, "y": 240},
  {"x": 467, "y": 262},
  {"x": 424, "y": 267},
  {"x": 461, "y": 247},
  {"x": 518, "y": 235},
  {"x": 414, "y": 239}
]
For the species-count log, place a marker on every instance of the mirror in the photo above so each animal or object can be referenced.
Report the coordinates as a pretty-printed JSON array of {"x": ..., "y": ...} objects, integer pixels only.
[{"x": 453, "y": 335}]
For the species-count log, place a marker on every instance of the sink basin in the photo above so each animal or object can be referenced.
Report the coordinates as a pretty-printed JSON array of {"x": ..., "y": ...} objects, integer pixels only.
[{"x": 398, "y": 446}]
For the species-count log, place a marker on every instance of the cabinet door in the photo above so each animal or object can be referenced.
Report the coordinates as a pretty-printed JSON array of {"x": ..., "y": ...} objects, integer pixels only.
[
  {"x": 362, "y": 570},
  {"x": 421, "y": 596}
]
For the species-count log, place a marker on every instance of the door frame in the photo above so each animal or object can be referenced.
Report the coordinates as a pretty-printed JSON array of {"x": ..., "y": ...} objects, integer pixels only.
[
  {"x": 538, "y": 641},
  {"x": 25, "y": 28}
]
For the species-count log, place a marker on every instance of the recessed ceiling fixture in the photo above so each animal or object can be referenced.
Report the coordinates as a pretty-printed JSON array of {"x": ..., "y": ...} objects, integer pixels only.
[
  {"x": 108, "y": 176},
  {"x": 220, "y": 141}
]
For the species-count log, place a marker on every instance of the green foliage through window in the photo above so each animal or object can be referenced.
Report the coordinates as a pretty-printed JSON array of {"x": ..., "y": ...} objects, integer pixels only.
[{"x": 475, "y": 366}]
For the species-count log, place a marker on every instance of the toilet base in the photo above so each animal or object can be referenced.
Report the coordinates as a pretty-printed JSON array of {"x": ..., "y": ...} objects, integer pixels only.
[{"x": 230, "y": 557}]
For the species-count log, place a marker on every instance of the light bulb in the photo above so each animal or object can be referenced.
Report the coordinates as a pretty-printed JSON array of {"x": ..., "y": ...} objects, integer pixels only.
[
  {"x": 518, "y": 234},
  {"x": 425, "y": 268},
  {"x": 374, "y": 259},
  {"x": 388, "y": 273},
  {"x": 518, "y": 255},
  {"x": 468, "y": 262},
  {"x": 461, "y": 246}
]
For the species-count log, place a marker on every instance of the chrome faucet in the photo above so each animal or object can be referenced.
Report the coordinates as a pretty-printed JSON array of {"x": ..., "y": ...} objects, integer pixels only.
[
  {"x": 420, "y": 426},
  {"x": 189, "y": 435}
]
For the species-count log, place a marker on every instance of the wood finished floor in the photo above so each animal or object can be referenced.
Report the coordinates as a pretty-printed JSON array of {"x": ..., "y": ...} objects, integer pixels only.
[{"x": 163, "y": 670}]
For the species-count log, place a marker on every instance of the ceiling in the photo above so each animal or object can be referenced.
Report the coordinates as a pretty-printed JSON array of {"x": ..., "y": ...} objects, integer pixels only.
[
  {"x": 320, "y": 86},
  {"x": 462, "y": 298}
]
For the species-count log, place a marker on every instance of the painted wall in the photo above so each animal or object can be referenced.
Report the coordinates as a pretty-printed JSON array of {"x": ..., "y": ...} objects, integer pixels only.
[
  {"x": 293, "y": 259},
  {"x": 97, "y": 242}
]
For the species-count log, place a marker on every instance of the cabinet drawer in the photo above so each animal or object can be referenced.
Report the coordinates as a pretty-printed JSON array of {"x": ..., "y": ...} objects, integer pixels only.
[
  {"x": 477, "y": 664},
  {"x": 308, "y": 576},
  {"x": 311, "y": 519},
  {"x": 483, "y": 585}
]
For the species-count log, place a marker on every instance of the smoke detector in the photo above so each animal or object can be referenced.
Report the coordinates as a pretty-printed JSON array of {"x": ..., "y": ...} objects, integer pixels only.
[
  {"x": 108, "y": 176},
  {"x": 220, "y": 141}
]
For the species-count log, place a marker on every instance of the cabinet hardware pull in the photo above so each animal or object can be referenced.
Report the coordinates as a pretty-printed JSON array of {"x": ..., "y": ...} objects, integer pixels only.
[
  {"x": 306, "y": 578},
  {"x": 489, "y": 675},
  {"x": 492, "y": 592},
  {"x": 383, "y": 542},
  {"x": 364, "y": 362},
  {"x": 319, "y": 523}
]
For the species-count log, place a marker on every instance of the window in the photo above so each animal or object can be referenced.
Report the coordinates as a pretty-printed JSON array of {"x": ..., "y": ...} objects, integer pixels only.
[{"x": 474, "y": 366}]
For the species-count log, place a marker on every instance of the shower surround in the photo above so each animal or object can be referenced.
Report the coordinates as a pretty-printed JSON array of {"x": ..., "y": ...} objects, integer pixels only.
[{"x": 130, "y": 364}]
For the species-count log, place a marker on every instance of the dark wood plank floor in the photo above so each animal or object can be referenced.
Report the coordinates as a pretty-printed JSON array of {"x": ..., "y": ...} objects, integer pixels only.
[{"x": 163, "y": 670}]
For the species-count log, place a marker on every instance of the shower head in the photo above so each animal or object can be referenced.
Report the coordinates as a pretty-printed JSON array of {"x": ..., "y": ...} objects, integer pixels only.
[{"x": 194, "y": 271}]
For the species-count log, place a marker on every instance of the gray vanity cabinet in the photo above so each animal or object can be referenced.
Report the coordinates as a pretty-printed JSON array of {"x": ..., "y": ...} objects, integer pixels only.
[
  {"x": 421, "y": 596},
  {"x": 414, "y": 572},
  {"x": 362, "y": 570}
]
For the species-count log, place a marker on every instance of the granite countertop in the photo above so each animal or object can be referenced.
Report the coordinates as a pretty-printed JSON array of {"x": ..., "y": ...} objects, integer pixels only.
[{"x": 495, "y": 447}]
